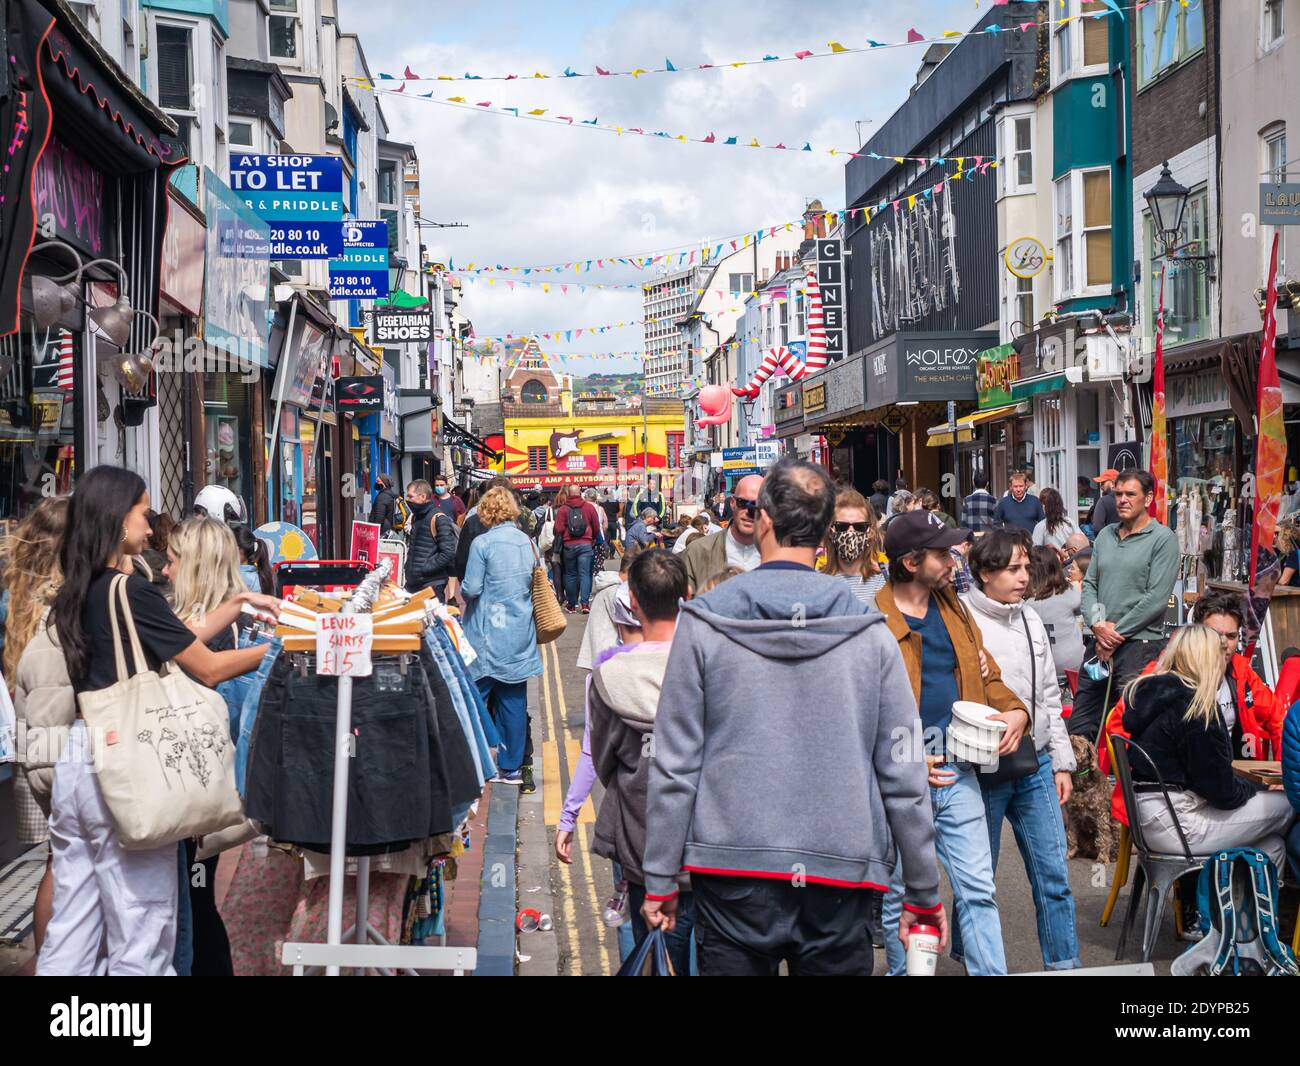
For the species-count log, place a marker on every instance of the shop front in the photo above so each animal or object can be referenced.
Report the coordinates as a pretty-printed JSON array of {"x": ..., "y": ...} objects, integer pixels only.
[
  {"x": 834, "y": 407},
  {"x": 910, "y": 379},
  {"x": 303, "y": 440},
  {"x": 83, "y": 209}
]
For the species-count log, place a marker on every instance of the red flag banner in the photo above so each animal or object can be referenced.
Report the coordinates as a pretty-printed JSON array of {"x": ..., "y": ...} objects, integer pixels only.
[
  {"x": 1270, "y": 467},
  {"x": 1159, "y": 432}
]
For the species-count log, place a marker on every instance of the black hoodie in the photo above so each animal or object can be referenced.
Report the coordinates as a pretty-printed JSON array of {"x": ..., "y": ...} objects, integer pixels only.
[{"x": 1189, "y": 756}]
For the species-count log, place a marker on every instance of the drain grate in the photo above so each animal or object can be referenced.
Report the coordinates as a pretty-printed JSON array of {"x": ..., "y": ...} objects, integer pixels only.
[{"x": 18, "y": 883}]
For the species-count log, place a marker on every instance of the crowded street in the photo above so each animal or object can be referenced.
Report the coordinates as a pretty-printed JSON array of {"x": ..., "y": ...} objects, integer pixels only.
[{"x": 549, "y": 489}]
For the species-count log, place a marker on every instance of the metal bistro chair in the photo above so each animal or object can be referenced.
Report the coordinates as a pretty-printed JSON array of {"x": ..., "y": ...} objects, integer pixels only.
[{"x": 1156, "y": 871}]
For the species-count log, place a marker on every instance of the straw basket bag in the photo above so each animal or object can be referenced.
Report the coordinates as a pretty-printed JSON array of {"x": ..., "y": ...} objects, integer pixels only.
[
  {"x": 162, "y": 747},
  {"x": 546, "y": 606}
]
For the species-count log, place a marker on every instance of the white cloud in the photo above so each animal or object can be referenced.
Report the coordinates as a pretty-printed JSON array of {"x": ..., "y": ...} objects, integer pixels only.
[{"x": 536, "y": 193}]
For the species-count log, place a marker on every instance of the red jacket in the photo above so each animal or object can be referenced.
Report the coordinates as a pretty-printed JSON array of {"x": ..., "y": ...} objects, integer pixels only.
[
  {"x": 562, "y": 523},
  {"x": 1259, "y": 712}
]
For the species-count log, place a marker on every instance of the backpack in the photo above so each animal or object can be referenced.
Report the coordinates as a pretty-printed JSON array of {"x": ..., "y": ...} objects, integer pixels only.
[
  {"x": 401, "y": 515},
  {"x": 1237, "y": 897},
  {"x": 575, "y": 526}
]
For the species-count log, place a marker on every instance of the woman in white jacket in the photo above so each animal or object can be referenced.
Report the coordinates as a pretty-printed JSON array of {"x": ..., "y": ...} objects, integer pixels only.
[{"x": 1014, "y": 636}]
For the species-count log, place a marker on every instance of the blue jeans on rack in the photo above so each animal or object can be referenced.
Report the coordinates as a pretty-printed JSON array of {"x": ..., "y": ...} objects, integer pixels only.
[
  {"x": 961, "y": 838},
  {"x": 248, "y": 709}
]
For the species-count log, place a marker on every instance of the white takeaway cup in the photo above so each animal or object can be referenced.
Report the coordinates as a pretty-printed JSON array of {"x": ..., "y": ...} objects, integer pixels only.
[{"x": 922, "y": 951}]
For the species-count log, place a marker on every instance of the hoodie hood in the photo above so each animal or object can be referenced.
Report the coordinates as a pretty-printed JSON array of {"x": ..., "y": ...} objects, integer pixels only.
[
  {"x": 1156, "y": 696},
  {"x": 784, "y": 614},
  {"x": 629, "y": 685},
  {"x": 604, "y": 579}
]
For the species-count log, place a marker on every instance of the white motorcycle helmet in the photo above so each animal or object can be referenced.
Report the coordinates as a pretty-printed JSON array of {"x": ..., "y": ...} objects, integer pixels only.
[{"x": 220, "y": 503}]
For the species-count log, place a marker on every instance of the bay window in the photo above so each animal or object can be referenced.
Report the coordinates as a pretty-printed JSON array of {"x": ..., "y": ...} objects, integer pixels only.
[
  {"x": 1080, "y": 42},
  {"x": 1083, "y": 233},
  {"x": 1016, "y": 154},
  {"x": 283, "y": 30}
]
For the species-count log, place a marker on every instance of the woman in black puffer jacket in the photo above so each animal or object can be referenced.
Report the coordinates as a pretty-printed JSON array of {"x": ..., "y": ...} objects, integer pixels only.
[{"x": 1181, "y": 715}]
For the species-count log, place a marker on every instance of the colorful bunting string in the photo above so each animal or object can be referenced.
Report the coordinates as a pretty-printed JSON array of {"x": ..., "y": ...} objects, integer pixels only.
[
  {"x": 832, "y": 48},
  {"x": 542, "y": 114}
]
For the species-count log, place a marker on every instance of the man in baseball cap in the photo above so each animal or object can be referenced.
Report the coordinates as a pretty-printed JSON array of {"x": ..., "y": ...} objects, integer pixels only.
[
  {"x": 942, "y": 651},
  {"x": 1104, "y": 512}
]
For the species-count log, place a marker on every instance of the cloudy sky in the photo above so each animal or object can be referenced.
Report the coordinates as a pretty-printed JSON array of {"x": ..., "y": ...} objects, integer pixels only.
[{"x": 534, "y": 193}]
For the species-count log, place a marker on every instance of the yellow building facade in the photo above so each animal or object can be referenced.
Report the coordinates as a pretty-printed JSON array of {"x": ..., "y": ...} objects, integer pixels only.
[{"x": 613, "y": 447}]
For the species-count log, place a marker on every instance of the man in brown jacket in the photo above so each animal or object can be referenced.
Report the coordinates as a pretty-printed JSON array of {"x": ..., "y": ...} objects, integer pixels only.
[{"x": 944, "y": 655}]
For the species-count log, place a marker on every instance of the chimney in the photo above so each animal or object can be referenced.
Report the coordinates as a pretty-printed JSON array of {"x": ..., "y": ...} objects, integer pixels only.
[{"x": 814, "y": 221}]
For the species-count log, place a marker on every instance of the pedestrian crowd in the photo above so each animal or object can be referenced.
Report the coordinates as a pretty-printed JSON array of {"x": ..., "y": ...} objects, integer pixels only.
[{"x": 900, "y": 686}]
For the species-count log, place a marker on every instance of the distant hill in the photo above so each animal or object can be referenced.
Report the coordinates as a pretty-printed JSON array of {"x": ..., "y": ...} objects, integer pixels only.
[{"x": 609, "y": 384}]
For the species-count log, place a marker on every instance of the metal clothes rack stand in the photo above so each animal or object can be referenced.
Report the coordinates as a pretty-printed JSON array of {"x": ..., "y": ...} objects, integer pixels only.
[{"x": 370, "y": 949}]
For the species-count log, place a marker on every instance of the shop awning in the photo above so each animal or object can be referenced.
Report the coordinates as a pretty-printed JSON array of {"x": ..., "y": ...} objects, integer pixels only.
[
  {"x": 457, "y": 435},
  {"x": 939, "y": 435}
]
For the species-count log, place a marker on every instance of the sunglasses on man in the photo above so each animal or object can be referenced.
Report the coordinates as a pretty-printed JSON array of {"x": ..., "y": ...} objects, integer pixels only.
[{"x": 748, "y": 505}]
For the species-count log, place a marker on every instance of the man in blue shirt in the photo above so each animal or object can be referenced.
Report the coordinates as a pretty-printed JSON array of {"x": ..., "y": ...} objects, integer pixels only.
[
  {"x": 1019, "y": 508},
  {"x": 943, "y": 651}
]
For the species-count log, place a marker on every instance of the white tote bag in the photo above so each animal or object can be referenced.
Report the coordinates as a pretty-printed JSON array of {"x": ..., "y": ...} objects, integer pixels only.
[{"x": 162, "y": 747}]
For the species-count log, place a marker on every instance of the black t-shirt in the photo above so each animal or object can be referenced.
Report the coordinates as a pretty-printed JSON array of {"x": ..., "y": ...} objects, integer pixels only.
[
  {"x": 162, "y": 635},
  {"x": 1292, "y": 560}
]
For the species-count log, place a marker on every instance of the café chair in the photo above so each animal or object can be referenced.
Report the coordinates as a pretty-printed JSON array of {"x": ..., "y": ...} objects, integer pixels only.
[
  {"x": 1156, "y": 871},
  {"x": 1121, "y": 868}
]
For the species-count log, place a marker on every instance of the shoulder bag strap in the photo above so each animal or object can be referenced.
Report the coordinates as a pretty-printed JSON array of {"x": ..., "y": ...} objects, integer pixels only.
[
  {"x": 119, "y": 659},
  {"x": 1033, "y": 674},
  {"x": 137, "y": 652}
]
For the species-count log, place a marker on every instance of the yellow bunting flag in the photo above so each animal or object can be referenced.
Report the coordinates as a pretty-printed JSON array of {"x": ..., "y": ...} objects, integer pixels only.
[
  {"x": 538, "y": 111},
  {"x": 835, "y": 46},
  {"x": 911, "y": 200},
  {"x": 456, "y": 99}
]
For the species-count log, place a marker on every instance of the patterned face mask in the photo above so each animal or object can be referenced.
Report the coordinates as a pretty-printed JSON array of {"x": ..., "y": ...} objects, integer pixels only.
[{"x": 850, "y": 544}]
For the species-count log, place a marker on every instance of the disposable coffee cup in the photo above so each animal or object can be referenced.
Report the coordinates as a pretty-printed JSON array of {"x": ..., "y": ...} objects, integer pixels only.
[{"x": 922, "y": 951}]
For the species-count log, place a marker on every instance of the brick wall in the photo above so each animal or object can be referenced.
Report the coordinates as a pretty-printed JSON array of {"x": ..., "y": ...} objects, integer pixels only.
[{"x": 1166, "y": 115}]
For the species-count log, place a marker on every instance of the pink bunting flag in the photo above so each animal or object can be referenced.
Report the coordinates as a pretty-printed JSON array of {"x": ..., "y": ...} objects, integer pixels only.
[
  {"x": 511, "y": 284},
  {"x": 565, "y": 118},
  {"x": 599, "y": 71},
  {"x": 733, "y": 246},
  {"x": 564, "y": 289},
  {"x": 402, "y": 89},
  {"x": 802, "y": 54},
  {"x": 511, "y": 77},
  {"x": 1027, "y": 26},
  {"x": 778, "y": 146},
  {"x": 411, "y": 74},
  {"x": 485, "y": 103},
  {"x": 913, "y": 37},
  {"x": 710, "y": 139}
]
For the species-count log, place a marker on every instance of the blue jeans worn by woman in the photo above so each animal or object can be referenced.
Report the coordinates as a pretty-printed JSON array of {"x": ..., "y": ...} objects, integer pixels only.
[
  {"x": 510, "y": 703},
  {"x": 961, "y": 839},
  {"x": 1035, "y": 813}
]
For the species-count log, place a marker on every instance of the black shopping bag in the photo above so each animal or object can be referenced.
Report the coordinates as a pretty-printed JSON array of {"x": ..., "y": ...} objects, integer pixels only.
[{"x": 648, "y": 959}]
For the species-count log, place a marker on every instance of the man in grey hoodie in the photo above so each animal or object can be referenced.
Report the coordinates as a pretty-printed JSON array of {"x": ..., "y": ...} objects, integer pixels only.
[
  {"x": 621, "y": 705},
  {"x": 816, "y": 702}
]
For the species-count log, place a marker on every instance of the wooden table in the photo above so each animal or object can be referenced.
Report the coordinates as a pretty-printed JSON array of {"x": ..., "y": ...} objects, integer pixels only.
[{"x": 1260, "y": 772}]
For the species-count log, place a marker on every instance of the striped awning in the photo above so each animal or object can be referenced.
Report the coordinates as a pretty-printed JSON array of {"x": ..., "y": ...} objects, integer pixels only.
[{"x": 939, "y": 435}]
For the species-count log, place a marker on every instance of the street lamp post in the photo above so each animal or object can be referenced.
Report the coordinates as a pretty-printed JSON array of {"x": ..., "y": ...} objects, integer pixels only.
[{"x": 1167, "y": 200}]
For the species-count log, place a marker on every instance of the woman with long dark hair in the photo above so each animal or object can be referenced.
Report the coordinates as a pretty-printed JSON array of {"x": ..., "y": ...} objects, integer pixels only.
[
  {"x": 1055, "y": 528},
  {"x": 1057, "y": 602},
  {"x": 255, "y": 560},
  {"x": 114, "y": 910}
]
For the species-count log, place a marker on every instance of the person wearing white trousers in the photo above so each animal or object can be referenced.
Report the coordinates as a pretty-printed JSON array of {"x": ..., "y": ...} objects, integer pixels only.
[{"x": 114, "y": 910}]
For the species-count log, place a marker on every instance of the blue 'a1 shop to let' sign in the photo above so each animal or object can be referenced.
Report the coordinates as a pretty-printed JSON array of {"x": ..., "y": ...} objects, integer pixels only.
[
  {"x": 299, "y": 196},
  {"x": 362, "y": 271}
]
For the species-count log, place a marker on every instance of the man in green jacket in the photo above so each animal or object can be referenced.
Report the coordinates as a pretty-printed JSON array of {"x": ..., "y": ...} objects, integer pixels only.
[
  {"x": 734, "y": 546},
  {"x": 1125, "y": 597}
]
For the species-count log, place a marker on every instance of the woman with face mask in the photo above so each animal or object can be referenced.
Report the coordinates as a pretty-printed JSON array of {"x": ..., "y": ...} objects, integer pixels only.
[{"x": 853, "y": 545}]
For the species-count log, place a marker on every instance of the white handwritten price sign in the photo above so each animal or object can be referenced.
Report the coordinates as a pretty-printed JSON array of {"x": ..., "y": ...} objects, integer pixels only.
[{"x": 343, "y": 644}]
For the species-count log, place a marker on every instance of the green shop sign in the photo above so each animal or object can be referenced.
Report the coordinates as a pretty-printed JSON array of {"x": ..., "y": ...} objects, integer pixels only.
[{"x": 996, "y": 371}]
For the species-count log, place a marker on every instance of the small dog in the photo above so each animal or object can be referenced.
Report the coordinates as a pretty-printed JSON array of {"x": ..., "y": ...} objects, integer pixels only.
[{"x": 1090, "y": 828}]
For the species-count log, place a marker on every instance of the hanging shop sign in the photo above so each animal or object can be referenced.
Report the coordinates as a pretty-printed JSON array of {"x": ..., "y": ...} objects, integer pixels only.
[
  {"x": 920, "y": 367},
  {"x": 301, "y": 196},
  {"x": 359, "y": 394},
  {"x": 181, "y": 278},
  {"x": 70, "y": 194},
  {"x": 1026, "y": 257},
  {"x": 1279, "y": 205},
  {"x": 313, "y": 350},
  {"x": 1204, "y": 393},
  {"x": 767, "y": 452},
  {"x": 362, "y": 271},
  {"x": 896, "y": 418},
  {"x": 996, "y": 371},
  {"x": 836, "y": 391},
  {"x": 399, "y": 327},
  {"x": 830, "y": 279},
  {"x": 239, "y": 253},
  {"x": 740, "y": 462}
]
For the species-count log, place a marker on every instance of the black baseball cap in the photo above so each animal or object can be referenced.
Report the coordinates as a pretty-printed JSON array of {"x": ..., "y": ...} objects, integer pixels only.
[{"x": 920, "y": 529}]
